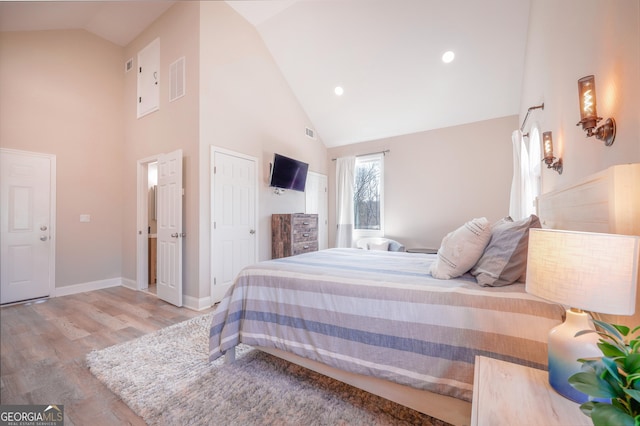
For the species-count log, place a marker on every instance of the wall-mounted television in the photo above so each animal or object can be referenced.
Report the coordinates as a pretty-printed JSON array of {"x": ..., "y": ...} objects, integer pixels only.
[{"x": 287, "y": 173}]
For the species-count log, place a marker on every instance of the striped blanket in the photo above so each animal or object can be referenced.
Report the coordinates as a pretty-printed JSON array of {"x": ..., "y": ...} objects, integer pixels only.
[{"x": 382, "y": 314}]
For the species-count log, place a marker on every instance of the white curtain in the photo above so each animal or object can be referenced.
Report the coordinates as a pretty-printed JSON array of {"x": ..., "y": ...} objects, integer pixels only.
[
  {"x": 520, "y": 184},
  {"x": 535, "y": 166},
  {"x": 345, "y": 168}
]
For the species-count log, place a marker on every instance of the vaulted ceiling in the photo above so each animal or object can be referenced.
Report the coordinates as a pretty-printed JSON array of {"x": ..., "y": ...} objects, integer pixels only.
[{"x": 386, "y": 55}]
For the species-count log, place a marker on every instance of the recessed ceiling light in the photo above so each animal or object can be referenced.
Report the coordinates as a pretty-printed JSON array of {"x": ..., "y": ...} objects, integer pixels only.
[
  {"x": 448, "y": 56},
  {"x": 339, "y": 90}
]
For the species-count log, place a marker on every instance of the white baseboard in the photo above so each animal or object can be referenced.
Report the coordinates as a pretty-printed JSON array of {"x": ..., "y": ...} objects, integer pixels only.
[
  {"x": 132, "y": 284},
  {"x": 90, "y": 286},
  {"x": 195, "y": 303},
  {"x": 189, "y": 302}
]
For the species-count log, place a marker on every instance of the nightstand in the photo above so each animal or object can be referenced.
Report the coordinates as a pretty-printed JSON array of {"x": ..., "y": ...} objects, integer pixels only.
[
  {"x": 512, "y": 394},
  {"x": 422, "y": 250}
]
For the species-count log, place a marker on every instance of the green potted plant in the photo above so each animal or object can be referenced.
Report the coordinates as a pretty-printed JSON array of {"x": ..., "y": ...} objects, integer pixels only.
[{"x": 614, "y": 376}]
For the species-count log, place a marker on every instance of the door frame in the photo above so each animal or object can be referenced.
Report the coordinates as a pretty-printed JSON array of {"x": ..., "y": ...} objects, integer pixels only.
[
  {"x": 324, "y": 227},
  {"x": 142, "y": 214},
  {"x": 213, "y": 151},
  {"x": 52, "y": 210}
]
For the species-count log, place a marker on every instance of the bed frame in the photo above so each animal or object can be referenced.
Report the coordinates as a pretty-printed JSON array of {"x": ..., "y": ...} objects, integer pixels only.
[
  {"x": 447, "y": 408},
  {"x": 608, "y": 201}
]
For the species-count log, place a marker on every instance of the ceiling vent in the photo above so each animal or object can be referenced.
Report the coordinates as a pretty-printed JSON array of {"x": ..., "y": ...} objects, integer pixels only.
[
  {"x": 177, "y": 78},
  {"x": 311, "y": 134},
  {"x": 128, "y": 65}
]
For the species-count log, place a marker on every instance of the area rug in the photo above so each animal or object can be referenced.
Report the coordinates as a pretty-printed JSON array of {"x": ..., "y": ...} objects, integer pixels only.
[{"x": 166, "y": 378}]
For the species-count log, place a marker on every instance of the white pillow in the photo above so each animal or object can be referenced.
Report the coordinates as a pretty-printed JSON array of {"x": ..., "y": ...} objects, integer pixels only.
[
  {"x": 384, "y": 246},
  {"x": 461, "y": 249}
]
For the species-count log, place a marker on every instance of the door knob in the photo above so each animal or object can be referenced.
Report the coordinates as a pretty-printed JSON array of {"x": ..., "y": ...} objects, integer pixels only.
[
  {"x": 44, "y": 238},
  {"x": 253, "y": 231},
  {"x": 43, "y": 228},
  {"x": 176, "y": 235}
]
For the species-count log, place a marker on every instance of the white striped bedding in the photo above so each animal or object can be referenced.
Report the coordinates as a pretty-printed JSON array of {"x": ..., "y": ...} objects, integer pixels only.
[{"x": 382, "y": 314}]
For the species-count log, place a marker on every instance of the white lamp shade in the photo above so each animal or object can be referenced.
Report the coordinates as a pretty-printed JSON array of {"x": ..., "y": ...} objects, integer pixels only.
[{"x": 590, "y": 271}]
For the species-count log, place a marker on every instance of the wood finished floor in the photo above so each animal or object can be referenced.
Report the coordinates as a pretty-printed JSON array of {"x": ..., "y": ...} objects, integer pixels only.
[{"x": 43, "y": 348}]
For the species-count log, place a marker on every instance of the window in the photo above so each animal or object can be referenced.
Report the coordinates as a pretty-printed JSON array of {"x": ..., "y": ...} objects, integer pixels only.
[{"x": 368, "y": 196}]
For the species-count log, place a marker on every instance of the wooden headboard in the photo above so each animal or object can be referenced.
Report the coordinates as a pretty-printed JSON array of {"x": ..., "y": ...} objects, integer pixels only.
[{"x": 607, "y": 201}]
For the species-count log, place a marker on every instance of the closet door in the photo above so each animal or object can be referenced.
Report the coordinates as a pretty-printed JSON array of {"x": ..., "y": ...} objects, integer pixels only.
[
  {"x": 316, "y": 202},
  {"x": 234, "y": 213},
  {"x": 149, "y": 78}
]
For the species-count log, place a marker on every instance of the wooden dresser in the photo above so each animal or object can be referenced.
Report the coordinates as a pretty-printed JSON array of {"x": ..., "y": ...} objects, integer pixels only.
[{"x": 292, "y": 234}]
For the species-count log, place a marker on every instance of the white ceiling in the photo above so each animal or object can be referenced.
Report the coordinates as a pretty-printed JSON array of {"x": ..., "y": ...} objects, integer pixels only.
[
  {"x": 116, "y": 21},
  {"x": 386, "y": 54}
]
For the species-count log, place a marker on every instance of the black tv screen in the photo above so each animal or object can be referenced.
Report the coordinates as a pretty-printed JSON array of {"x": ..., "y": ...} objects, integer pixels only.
[{"x": 287, "y": 173}]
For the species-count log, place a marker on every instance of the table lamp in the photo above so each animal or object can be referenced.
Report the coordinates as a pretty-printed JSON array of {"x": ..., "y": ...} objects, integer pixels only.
[{"x": 584, "y": 271}]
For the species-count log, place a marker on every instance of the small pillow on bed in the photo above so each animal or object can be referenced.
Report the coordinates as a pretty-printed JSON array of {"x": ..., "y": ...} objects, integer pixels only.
[
  {"x": 504, "y": 261},
  {"x": 384, "y": 246},
  {"x": 461, "y": 249}
]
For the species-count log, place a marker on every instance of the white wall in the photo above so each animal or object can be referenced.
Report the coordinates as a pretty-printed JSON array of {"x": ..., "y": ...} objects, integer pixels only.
[
  {"x": 570, "y": 39},
  {"x": 437, "y": 180},
  {"x": 247, "y": 106},
  {"x": 173, "y": 126},
  {"x": 567, "y": 40},
  {"x": 61, "y": 94},
  {"x": 66, "y": 93}
]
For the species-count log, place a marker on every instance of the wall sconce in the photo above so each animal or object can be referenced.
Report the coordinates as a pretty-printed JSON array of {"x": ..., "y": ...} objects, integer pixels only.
[
  {"x": 589, "y": 115},
  {"x": 547, "y": 143}
]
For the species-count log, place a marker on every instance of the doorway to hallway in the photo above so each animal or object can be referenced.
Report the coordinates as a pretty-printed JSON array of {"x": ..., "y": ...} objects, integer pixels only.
[{"x": 159, "y": 254}]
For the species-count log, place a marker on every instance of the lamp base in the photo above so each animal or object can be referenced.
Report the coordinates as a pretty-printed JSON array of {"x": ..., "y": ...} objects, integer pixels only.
[{"x": 565, "y": 349}]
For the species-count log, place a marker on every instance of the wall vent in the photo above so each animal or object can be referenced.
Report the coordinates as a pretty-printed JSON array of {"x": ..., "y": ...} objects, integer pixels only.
[
  {"x": 177, "y": 78},
  {"x": 310, "y": 133},
  {"x": 128, "y": 66}
]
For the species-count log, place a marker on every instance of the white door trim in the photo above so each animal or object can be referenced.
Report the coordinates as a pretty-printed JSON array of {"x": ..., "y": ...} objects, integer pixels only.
[
  {"x": 52, "y": 211},
  {"x": 213, "y": 151},
  {"x": 323, "y": 208}
]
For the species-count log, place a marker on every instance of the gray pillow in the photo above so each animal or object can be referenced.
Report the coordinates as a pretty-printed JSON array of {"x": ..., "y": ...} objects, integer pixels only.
[{"x": 504, "y": 261}]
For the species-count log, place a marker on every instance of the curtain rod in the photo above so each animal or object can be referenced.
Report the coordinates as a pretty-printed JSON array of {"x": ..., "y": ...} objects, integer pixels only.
[
  {"x": 527, "y": 116},
  {"x": 371, "y": 153}
]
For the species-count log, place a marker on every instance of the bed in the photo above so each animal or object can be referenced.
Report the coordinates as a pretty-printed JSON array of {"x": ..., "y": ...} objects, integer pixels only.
[
  {"x": 381, "y": 314},
  {"x": 379, "y": 321}
]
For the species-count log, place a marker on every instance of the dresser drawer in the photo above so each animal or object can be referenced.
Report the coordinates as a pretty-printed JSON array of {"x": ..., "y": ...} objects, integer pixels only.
[
  {"x": 299, "y": 248},
  {"x": 293, "y": 233},
  {"x": 305, "y": 228},
  {"x": 305, "y": 221},
  {"x": 305, "y": 235}
]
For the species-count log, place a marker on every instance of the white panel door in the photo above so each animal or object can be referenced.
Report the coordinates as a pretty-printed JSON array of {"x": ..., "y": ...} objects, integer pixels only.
[
  {"x": 316, "y": 202},
  {"x": 149, "y": 79},
  {"x": 169, "y": 224},
  {"x": 234, "y": 219},
  {"x": 26, "y": 231}
]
